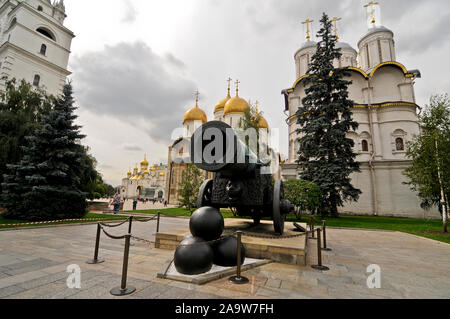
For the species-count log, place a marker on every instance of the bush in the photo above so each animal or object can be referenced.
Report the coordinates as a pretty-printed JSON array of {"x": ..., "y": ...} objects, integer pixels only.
[{"x": 305, "y": 195}]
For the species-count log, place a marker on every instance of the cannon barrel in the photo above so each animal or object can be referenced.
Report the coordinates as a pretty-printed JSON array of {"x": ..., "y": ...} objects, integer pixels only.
[{"x": 215, "y": 147}]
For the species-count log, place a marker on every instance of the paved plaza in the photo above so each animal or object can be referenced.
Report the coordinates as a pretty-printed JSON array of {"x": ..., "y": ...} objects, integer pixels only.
[{"x": 33, "y": 264}]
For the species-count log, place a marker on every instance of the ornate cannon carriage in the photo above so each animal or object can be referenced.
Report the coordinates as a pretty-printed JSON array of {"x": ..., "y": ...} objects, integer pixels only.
[{"x": 241, "y": 181}]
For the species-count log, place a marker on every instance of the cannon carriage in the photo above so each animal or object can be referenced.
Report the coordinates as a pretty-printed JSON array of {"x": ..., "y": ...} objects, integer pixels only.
[{"x": 241, "y": 181}]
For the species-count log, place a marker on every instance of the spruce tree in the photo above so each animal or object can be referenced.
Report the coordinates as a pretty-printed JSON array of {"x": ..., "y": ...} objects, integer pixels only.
[
  {"x": 326, "y": 156},
  {"x": 46, "y": 183}
]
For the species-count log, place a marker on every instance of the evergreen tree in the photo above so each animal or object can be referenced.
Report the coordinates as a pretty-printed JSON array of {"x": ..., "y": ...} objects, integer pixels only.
[
  {"x": 326, "y": 156},
  {"x": 46, "y": 183},
  {"x": 190, "y": 185},
  {"x": 21, "y": 109}
]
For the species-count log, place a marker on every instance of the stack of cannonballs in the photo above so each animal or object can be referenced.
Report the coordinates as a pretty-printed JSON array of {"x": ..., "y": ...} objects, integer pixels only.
[{"x": 197, "y": 252}]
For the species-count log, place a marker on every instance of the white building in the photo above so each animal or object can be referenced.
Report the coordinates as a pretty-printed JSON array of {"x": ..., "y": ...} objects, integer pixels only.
[
  {"x": 387, "y": 113},
  {"x": 148, "y": 183},
  {"x": 34, "y": 44}
]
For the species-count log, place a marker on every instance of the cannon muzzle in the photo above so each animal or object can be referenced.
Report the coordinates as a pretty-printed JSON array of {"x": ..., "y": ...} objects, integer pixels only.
[{"x": 215, "y": 147}]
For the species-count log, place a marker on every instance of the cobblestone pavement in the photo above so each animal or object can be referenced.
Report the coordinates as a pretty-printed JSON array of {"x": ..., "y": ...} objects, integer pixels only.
[{"x": 33, "y": 264}]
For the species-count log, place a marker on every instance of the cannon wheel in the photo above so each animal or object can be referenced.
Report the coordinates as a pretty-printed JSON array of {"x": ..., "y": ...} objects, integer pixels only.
[
  {"x": 205, "y": 194},
  {"x": 278, "y": 216}
]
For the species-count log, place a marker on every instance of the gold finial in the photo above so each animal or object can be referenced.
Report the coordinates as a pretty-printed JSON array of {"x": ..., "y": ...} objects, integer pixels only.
[
  {"x": 256, "y": 105},
  {"x": 237, "y": 87},
  {"x": 307, "y": 22},
  {"x": 335, "y": 20},
  {"x": 359, "y": 60},
  {"x": 372, "y": 11},
  {"x": 229, "y": 85},
  {"x": 197, "y": 94}
]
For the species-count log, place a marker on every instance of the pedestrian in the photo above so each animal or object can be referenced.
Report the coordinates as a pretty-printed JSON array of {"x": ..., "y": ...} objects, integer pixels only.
[
  {"x": 165, "y": 203},
  {"x": 116, "y": 203},
  {"x": 135, "y": 202}
]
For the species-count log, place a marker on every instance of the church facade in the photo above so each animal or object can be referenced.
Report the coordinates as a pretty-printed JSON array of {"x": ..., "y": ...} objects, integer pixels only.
[
  {"x": 385, "y": 107},
  {"x": 34, "y": 43},
  {"x": 146, "y": 183}
]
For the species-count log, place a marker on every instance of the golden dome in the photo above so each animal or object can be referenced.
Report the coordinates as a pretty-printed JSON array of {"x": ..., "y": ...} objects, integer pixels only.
[
  {"x": 144, "y": 162},
  {"x": 263, "y": 123},
  {"x": 129, "y": 173},
  {"x": 162, "y": 174},
  {"x": 146, "y": 172},
  {"x": 236, "y": 104},
  {"x": 221, "y": 105},
  {"x": 153, "y": 169},
  {"x": 195, "y": 114}
]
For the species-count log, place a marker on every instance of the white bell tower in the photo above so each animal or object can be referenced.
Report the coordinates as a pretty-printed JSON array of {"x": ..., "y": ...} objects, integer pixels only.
[{"x": 34, "y": 44}]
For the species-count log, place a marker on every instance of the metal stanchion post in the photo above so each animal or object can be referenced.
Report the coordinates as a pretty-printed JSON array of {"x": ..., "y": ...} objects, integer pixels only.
[
  {"x": 324, "y": 230},
  {"x": 319, "y": 265},
  {"x": 123, "y": 290},
  {"x": 311, "y": 226},
  {"x": 96, "y": 260},
  {"x": 157, "y": 223},
  {"x": 238, "y": 279},
  {"x": 130, "y": 225}
]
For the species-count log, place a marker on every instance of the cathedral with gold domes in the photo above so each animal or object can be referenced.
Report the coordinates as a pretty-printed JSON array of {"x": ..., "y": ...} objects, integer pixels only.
[
  {"x": 385, "y": 108},
  {"x": 146, "y": 183},
  {"x": 230, "y": 110}
]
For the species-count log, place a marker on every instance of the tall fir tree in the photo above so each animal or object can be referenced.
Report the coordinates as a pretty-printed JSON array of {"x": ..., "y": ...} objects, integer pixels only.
[
  {"x": 46, "y": 183},
  {"x": 326, "y": 156}
]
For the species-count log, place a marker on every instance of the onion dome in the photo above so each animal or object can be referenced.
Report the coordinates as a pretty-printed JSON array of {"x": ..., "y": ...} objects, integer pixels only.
[
  {"x": 162, "y": 174},
  {"x": 236, "y": 104},
  {"x": 195, "y": 114},
  {"x": 153, "y": 169},
  {"x": 221, "y": 105},
  {"x": 129, "y": 174},
  {"x": 263, "y": 123},
  {"x": 144, "y": 162},
  {"x": 146, "y": 172}
]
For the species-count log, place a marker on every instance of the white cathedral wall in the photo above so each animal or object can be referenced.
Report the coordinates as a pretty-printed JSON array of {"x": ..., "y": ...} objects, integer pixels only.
[{"x": 386, "y": 84}]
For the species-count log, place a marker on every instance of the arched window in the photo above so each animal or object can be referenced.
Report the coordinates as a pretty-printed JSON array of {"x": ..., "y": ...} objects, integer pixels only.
[
  {"x": 399, "y": 144},
  {"x": 365, "y": 146},
  {"x": 40, "y": 8},
  {"x": 37, "y": 79},
  {"x": 46, "y": 33},
  {"x": 13, "y": 22},
  {"x": 43, "y": 49}
]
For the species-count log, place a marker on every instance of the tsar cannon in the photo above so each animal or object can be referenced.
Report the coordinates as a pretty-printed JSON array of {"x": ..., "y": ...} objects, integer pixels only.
[{"x": 241, "y": 180}]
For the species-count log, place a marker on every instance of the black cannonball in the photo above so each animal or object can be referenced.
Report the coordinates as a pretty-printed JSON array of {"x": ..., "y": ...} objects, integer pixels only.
[
  {"x": 225, "y": 252},
  {"x": 193, "y": 257},
  {"x": 207, "y": 223}
]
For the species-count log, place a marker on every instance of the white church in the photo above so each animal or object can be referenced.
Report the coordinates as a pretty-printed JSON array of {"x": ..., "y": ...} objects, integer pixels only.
[
  {"x": 387, "y": 113},
  {"x": 34, "y": 43}
]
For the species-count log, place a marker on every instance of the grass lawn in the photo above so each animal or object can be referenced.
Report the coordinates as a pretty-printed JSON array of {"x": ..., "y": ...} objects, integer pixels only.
[
  {"x": 425, "y": 228},
  {"x": 9, "y": 223}
]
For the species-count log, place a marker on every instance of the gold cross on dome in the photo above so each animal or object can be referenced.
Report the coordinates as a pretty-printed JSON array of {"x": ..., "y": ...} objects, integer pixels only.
[
  {"x": 335, "y": 20},
  {"x": 197, "y": 94},
  {"x": 256, "y": 105},
  {"x": 307, "y": 22},
  {"x": 372, "y": 11},
  {"x": 237, "y": 86},
  {"x": 229, "y": 84}
]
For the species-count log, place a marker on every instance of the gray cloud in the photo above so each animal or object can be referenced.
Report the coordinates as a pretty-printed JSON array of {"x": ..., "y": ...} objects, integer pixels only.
[
  {"x": 130, "y": 13},
  {"x": 132, "y": 83},
  {"x": 132, "y": 148}
]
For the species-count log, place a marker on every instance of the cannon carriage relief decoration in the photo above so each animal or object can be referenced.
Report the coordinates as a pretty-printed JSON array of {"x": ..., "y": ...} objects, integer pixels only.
[{"x": 241, "y": 180}]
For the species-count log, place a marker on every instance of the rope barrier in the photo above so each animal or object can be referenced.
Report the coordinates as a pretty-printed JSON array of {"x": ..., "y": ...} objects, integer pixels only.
[
  {"x": 112, "y": 226},
  {"x": 146, "y": 220},
  {"x": 114, "y": 237}
]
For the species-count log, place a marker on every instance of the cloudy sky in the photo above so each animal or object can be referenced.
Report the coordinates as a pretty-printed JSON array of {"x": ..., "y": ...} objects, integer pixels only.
[{"x": 137, "y": 63}]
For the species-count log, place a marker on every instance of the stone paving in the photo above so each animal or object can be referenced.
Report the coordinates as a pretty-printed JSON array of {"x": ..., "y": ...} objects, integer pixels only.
[{"x": 33, "y": 264}]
